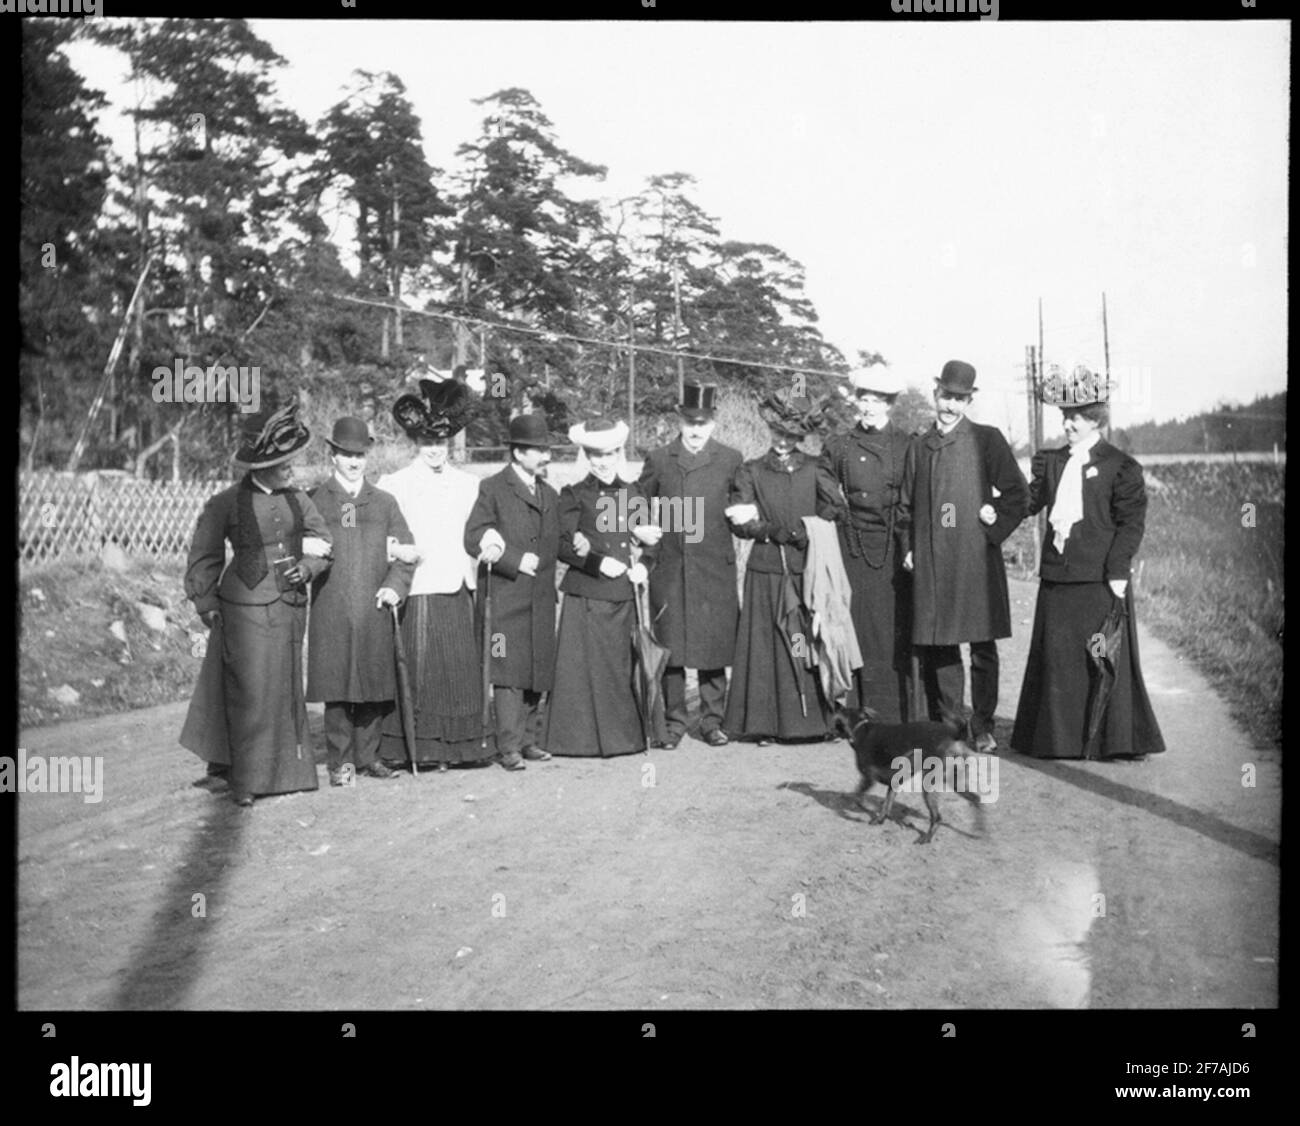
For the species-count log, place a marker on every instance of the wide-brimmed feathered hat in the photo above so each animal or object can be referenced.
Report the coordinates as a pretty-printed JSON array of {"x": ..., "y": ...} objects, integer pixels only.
[
  {"x": 1080, "y": 388},
  {"x": 796, "y": 415},
  {"x": 438, "y": 412},
  {"x": 272, "y": 437}
]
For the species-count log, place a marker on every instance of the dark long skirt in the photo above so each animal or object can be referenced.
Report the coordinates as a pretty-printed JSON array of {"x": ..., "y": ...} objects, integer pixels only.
[
  {"x": 592, "y": 710},
  {"x": 881, "y": 608},
  {"x": 248, "y": 708},
  {"x": 445, "y": 664},
  {"x": 764, "y": 699},
  {"x": 1052, "y": 718}
]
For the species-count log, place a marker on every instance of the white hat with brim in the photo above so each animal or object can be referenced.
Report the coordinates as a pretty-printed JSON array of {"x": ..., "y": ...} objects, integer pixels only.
[
  {"x": 877, "y": 378},
  {"x": 599, "y": 436}
]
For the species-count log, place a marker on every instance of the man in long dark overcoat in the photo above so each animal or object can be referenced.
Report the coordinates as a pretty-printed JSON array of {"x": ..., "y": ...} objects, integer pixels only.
[
  {"x": 515, "y": 525},
  {"x": 693, "y": 595},
  {"x": 350, "y": 663},
  {"x": 953, "y": 528}
]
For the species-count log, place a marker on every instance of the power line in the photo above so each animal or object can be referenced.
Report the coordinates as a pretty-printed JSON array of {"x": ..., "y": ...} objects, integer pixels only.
[{"x": 550, "y": 335}]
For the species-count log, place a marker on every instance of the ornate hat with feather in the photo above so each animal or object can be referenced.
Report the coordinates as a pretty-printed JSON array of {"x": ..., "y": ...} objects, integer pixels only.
[
  {"x": 1080, "y": 388},
  {"x": 797, "y": 415},
  {"x": 440, "y": 411},
  {"x": 272, "y": 437}
]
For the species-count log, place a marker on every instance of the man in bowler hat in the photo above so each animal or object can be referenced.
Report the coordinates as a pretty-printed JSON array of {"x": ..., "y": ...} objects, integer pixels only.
[
  {"x": 963, "y": 494},
  {"x": 515, "y": 526},
  {"x": 350, "y": 647},
  {"x": 693, "y": 596}
]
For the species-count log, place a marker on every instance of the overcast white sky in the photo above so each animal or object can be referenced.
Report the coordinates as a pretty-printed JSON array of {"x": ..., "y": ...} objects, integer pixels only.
[{"x": 935, "y": 180}]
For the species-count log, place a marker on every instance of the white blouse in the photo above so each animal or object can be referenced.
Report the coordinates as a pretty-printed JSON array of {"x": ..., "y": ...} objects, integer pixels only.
[{"x": 437, "y": 508}]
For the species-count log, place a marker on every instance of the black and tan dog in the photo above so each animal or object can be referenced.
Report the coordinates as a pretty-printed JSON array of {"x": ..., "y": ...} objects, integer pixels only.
[{"x": 892, "y": 753}]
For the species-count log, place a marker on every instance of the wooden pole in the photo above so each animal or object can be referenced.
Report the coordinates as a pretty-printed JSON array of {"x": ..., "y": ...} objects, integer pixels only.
[
  {"x": 114, "y": 355},
  {"x": 631, "y": 368},
  {"x": 677, "y": 331},
  {"x": 1031, "y": 399},
  {"x": 1105, "y": 344}
]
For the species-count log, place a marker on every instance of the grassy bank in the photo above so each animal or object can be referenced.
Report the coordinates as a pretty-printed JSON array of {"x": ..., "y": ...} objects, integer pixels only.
[{"x": 67, "y": 616}]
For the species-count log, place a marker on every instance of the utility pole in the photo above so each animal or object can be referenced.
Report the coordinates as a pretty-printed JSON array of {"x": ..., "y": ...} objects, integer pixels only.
[
  {"x": 1105, "y": 344},
  {"x": 677, "y": 331},
  {"x": 631, "y": 367},
  {"x": 1032, "y": 383}
]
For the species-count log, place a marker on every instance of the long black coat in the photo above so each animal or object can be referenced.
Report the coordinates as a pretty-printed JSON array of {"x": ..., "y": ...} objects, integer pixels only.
[
  {"x": 350, "y": 646},
  {"x": 959, "y": 580},
  {"x": 693, "y": 591},
  {"x": 523, "y": 606}
]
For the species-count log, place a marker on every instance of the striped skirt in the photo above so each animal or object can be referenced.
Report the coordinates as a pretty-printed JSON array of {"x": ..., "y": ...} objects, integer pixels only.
[{"x": 444, "y": 662}]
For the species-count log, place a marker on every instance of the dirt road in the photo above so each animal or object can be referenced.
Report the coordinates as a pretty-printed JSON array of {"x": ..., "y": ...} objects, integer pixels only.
[{"x": 738, "y": 878}]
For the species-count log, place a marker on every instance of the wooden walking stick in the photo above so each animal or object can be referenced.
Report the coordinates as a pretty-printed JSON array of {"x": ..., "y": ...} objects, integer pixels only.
[{"x": 487, "y": 655}]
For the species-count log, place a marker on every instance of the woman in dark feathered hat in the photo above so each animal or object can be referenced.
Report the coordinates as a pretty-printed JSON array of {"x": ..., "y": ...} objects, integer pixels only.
[
  {"x": 248, "y": 718},
  {"x": 774, "y": 694}
]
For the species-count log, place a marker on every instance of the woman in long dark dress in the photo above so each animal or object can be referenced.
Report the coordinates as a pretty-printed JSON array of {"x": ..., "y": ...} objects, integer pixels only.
[
  {"x": 1097, "y": 502},
  {"x": 437, "y": 622},
  {"x": 774, "y": 693},
  {"x": 248, "y": 718},
  {"x": 593, "y": 710}
]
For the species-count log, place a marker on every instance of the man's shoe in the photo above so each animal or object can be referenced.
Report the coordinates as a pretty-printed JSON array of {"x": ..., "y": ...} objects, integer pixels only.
[
  {"x": 345, "y": 775},
  {"x": 376, "y": 770},
  {"x": 985, "y": 744},
  {"x": 241, "y": 798},
  {"x": 716, "y": 737},
  {"x": 512, "y": 761},
  {"x": 534, "y": 753},
  {"x": 672, "y": 742}
]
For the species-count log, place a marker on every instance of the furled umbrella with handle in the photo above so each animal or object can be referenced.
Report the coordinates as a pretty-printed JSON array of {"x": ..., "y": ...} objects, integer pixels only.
[{"x": 1103, "y": 656}]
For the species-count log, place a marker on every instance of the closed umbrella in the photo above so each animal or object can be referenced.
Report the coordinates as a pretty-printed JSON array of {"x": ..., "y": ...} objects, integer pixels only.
[
  {"x": 650, "y": 659},
  {"x": 791, "y": 622},
  {"x": 1103, "y": 656},
  {"x": 404, "y": 698}
]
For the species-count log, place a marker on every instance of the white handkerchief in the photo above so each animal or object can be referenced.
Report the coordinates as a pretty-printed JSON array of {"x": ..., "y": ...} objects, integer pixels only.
[{"x": 1091, "y": 471}]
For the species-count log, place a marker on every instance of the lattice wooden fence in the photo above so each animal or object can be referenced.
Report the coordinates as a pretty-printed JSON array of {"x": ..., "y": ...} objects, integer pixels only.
[{"x": 64, "y": 516}]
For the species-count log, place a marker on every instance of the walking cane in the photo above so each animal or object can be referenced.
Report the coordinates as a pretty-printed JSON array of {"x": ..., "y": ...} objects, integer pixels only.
[{"x": 487, "y": 656}]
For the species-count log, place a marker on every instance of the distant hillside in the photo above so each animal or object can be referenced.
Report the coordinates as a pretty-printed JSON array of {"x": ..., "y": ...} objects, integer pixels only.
[{"x": 1257, "y": 426}]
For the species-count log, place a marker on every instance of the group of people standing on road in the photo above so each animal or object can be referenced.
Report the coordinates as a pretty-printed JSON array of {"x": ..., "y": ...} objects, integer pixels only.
[{"x": 871, "y": 564}]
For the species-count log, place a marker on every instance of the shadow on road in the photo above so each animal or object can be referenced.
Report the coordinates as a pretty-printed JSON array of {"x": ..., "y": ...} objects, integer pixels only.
[
  {"x": 169, "y": 961},
  {"x": 1207, "y": 824}
]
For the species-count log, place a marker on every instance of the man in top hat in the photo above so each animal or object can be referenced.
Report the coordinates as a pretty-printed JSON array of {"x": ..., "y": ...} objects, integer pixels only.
[
  {"x": 862, "y": 481},
  {"x": 963, "y": 495},
  {"x": 515, "y": 527},
  {"x": 693, "y": 595},
  {"x": 350, "y": 649}
]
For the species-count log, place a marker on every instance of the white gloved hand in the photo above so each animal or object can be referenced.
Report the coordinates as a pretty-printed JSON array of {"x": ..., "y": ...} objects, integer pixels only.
[
  {"x": 1118, "y": 587},
  {"x": 637, "y": 574},
  {"x": 611, "y": 568},
  {"x": 741, "y": 513}
]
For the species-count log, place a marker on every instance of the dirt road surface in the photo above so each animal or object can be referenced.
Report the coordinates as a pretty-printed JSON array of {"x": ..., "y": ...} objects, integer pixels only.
[{"x": 731, "y": 878}]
